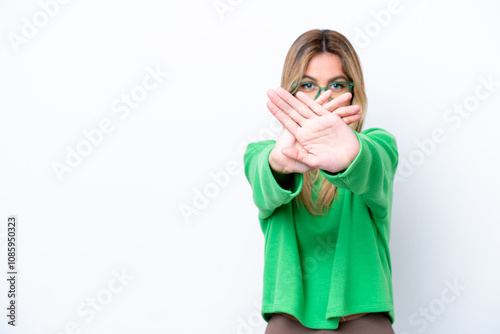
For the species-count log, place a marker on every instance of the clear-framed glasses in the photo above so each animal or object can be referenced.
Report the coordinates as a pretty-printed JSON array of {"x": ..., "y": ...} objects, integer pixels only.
[{"x": 338, "y": 88}]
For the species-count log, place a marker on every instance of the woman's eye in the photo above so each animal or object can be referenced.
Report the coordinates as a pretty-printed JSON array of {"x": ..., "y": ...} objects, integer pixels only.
[
  {"x": 337, "y": 86},
  {"x": 307, "y": 86}
]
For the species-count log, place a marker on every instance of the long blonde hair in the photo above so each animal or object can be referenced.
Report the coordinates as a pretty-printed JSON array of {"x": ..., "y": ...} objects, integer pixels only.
[{"x": 305, "y": 47}]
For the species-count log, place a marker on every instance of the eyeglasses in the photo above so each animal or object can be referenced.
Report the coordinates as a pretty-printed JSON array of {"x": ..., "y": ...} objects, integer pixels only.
[{"x": 338, "y": 88}]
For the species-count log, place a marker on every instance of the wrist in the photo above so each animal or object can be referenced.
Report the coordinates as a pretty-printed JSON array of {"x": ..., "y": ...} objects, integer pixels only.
[
  {"x": 352, "y": 155},
  {"x": 273, "y": 164}
]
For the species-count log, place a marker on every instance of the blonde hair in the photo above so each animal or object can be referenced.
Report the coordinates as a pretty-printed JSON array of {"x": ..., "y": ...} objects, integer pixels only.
[{"x": 305, "y": 47}]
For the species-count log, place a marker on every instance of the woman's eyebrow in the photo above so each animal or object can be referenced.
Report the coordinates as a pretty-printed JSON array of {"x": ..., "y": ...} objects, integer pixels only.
[{"x": 332, "y": 79}]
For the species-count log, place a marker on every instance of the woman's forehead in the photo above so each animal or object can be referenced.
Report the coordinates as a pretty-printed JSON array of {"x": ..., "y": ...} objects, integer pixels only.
[{"x": 324, "y": 66}]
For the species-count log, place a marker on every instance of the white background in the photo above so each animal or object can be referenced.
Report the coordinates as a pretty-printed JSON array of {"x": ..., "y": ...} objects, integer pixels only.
[{"x": 119, "y": 209}]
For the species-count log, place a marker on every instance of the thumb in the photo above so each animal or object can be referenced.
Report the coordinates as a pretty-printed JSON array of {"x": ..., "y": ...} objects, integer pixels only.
[{"x": 295, "y": 154}]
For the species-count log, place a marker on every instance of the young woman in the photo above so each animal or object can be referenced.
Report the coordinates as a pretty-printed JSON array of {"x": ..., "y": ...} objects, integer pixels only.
[{"x": 323, "y": 191}]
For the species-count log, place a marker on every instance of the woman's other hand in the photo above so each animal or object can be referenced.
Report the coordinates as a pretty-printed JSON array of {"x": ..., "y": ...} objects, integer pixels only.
[{"x": 323, "y": 138}]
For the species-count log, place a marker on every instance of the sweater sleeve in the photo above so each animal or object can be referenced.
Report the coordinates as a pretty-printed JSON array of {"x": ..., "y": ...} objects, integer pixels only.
[
  {"x": 267, "y": 192},
  {"x": 371, "y": 174}
]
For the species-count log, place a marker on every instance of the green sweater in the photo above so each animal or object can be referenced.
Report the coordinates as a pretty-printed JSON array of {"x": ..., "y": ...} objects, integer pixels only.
[{"x": 319, "y": 268}]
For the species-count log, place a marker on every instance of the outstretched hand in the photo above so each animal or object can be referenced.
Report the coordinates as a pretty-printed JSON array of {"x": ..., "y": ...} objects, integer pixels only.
[{"x": 326, "y": 140}]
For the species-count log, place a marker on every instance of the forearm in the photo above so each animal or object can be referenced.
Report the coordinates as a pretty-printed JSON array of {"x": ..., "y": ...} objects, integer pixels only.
[
  {"x": 271, "y": 189},
  {"x": 372, "y": 171}
]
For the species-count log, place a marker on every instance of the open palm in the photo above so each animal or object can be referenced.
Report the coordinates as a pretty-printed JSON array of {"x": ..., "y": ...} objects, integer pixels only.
[
  {"x": 282, "y": 163},
  {"x": 327, "y": 142}
]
